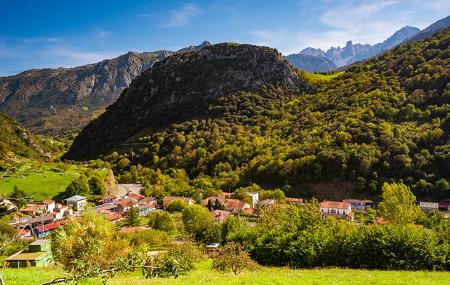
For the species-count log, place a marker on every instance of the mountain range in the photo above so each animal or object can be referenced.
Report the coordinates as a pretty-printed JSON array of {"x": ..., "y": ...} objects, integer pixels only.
[
  {"x": 60, "y": 100},
  {"x": 55, "y": 100},
  {"x": 317, "y": 60}
]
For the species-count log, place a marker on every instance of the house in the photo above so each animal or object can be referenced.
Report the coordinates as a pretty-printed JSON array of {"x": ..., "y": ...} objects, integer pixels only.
[
  {"x": 149, "y": 201},
  {"x": 34, "y": 209},
  {"x": 297, "y": 201},
  {"x": 78, "y": 203},
  {"x": 49, "y": 205},
  {"x": 220, "y": 215},
  {"x": 135, "y": 196},
  {"x": 108, "y": 199},
  {"x": 40, "y": 220},
  {"x": 338, "y": 209},
  {"x": 105, "y": 208},
  {"x": 124, "y": 204},
  {"x": 144, "y": 209},
  {"x": 235, "y": 206},
  {"x": 249, "y": 211},
  {"x": 24, "y": 233},
  {"x": 169, "y": 199},
  {"x": 6, "y": 206},
  {"x": 62, "y": 211},
  {"x": 361, "y": 205},
  {"x": 38, "y": 254},
  {"x": 45, "y": 230},
  {"x": 255, "y": 198},
  {"x": 114, "y": 217},
  {"x": 429, "y": 206},
  {"x": 266, "y": 202},
  {"x": 444, "y": 205}
]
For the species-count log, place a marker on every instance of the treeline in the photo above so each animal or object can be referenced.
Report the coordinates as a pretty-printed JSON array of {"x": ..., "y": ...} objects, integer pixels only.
[{"x": 301, "y": 237}]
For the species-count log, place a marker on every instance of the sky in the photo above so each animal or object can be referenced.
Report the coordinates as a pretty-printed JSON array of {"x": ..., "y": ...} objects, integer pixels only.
[{"x": 66, "y": 33}]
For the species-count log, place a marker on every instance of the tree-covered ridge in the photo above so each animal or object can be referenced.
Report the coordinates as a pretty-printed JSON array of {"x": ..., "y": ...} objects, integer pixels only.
[
  {"x": 181, "y": 88},
  {"x": 383, "y": 119},
  {"x": 16, "y": 141}
]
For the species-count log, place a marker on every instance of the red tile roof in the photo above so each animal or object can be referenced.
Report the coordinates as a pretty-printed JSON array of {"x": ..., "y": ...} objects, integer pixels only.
[
  {"x": 249, "y": 211},
  {"x": 220, "y": 215},
  {"x": 234, "y": 205},
  {"x": 51, "y": 226},
  {"x": 334, "y": 204},
  {"x": 114, "y": 217},
  {"x": 135, "y": 196},
  {"x": 48, "y": 202},
  {"x": 294, "y": 200},
  {"x": 124, "y": 203}
]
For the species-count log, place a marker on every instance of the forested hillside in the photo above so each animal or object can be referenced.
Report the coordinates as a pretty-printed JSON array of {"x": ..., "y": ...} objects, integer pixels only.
[
  {"x": 15, "y": 141},
  {"x": 383, "y": 119}
]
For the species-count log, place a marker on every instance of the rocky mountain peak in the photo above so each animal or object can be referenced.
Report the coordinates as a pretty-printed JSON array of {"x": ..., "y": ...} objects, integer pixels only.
[{"x": 181, "y": 87}]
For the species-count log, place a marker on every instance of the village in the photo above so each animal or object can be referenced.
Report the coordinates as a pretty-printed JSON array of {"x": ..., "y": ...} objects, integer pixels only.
[{"x": 38, "y": 220}]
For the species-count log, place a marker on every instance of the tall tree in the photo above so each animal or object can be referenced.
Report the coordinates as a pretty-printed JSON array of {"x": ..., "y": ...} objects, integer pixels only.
[{"x": 397, "y": 204}]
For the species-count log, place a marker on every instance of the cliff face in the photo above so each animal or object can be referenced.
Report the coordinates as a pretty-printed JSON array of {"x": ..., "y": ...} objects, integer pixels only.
[{"x": 181, "y": 87}]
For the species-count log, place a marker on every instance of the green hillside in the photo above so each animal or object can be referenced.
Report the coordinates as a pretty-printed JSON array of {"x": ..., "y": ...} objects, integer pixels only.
[
  {"x": 15, "y": 141},
  {"x": 383, "y": 119}
]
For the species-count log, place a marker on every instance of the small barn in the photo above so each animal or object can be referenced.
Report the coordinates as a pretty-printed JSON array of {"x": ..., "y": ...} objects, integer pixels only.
[{"x": 38, "y": 254}]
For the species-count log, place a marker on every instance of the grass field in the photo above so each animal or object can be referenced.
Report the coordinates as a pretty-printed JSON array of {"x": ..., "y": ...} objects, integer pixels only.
[
  {"x": 203, "y": 275},
  {"x": 41, "y": 180},
  {"x": 317, "y": 77}
]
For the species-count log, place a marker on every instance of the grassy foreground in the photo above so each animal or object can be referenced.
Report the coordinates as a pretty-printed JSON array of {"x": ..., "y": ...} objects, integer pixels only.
[{"x": 203, "y": 275}]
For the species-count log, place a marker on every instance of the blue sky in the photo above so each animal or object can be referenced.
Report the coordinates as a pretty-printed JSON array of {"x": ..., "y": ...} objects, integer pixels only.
[{"x": 65, "y": 33}]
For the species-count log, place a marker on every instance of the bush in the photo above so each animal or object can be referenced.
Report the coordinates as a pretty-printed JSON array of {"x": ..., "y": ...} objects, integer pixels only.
[
  {"x": 232, "y": 257},
  {"x": 162, "y": 221},
  {"x": 177, "y": 205}
]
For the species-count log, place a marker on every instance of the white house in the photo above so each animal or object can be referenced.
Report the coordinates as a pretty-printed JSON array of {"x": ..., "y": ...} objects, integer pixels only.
[
  {"x": 50, "y": 205},
  {"x": 339, "y": 209},
  {"x": 255, "y": 198},
  {"x": 78, "y": 203}
]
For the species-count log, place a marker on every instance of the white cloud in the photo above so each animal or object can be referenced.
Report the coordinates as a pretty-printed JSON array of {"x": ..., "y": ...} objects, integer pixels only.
[
  {"x": 102, "y": 34},
  {"x": 362, "y": 21},
  {"x": 182, "y": 16},
  {"x": 76, "y": 57}
]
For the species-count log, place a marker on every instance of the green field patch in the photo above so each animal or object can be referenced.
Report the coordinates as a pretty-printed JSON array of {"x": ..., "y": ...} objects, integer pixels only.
[
  {"x": 41, "y": 180},
  {"x": 268, "y": 275}
]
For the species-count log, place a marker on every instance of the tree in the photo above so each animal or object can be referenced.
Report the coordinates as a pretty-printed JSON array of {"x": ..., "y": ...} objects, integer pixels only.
[
  {"x": 87, "y": 245},
  {"x": 397, "y": 204},
  {"x": 19, "y": 196},
  {"x": 97, "y": 186},
  {"x": 177, "y": 205},
  {"x": 133, "y": 218},
  {"x": 200, "y": 224},
  {"x": 79, "y": 186},
  {"x": 233, "y": 258},
  {"x": 162, "y": 221}
]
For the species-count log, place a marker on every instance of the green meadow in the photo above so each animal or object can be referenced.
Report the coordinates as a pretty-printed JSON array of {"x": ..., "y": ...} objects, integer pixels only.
[
  {"x": 40, "y": 180},
  {"x": 267, "y": 275}
]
